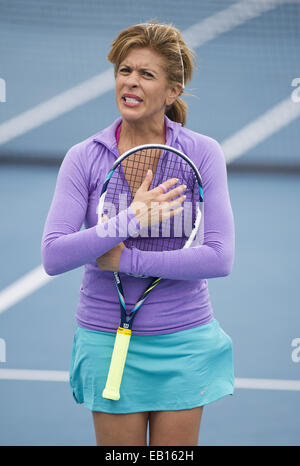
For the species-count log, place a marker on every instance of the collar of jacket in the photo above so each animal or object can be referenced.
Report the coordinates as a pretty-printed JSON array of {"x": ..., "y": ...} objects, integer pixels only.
[{"x": 107, "y": 136}]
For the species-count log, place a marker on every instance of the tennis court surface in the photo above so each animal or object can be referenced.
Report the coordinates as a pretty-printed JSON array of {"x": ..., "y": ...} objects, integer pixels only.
[{"x": 56, "y": 89}]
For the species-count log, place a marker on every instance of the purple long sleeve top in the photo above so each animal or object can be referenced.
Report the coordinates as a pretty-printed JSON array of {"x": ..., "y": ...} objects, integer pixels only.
[{"x": 181, "y": 300}]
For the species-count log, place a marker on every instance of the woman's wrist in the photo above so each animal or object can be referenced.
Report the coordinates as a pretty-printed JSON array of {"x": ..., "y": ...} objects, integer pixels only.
[
  {"x": 138, "y": 209},
  {"x": 125, "y": 263}
]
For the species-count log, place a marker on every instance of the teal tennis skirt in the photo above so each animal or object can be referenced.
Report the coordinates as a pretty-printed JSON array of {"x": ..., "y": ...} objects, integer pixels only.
[{"x": 166, "y": 372}]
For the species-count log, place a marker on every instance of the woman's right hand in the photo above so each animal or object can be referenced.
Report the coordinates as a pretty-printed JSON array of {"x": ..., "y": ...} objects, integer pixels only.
[{"x": 156, "y": 205}]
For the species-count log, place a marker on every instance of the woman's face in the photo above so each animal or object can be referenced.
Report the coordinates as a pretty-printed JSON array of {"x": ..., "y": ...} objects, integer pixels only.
[{"x": 142, "y": 90}]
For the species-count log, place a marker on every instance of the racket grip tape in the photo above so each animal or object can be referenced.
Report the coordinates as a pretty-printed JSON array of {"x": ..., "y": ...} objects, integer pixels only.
[{"x": 117, "y": 363}]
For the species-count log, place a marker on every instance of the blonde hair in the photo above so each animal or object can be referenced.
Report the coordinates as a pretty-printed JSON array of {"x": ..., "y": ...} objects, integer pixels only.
[{"x": 167, "y": 41}]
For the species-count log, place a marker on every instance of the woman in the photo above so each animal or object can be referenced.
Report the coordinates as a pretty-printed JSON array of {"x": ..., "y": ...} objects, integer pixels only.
[{"x": 179, "y": 358}]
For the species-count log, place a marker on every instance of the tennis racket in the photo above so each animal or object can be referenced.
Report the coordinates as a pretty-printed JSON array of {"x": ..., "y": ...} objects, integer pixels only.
[{"x": 183, "y": 230}]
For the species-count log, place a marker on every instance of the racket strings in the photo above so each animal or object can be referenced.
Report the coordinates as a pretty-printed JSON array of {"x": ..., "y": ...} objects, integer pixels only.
[
  {"x": 168, "y": 234},
  {"x": 136, "y": 166}
]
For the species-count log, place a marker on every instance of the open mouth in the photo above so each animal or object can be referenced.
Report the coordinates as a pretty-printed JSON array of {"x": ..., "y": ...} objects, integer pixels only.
[{"x": 131, "y": 100}]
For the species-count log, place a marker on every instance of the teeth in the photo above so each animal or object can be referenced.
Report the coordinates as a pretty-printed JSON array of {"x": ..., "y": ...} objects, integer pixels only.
[{"x": 131, "y": 100}]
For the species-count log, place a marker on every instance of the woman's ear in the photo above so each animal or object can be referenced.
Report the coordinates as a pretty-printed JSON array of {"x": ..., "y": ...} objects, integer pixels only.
[{"x": 174, "y": 92}]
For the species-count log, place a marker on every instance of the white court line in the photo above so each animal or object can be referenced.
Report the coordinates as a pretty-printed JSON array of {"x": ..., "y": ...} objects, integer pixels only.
[
  {"x": 24, "y": 286},
  {"x": 34, "y": 375},
  {"x": 63, "y": 376},
  {"x": 58, "y": 105},
  {"x": 268, "y": 384},
  {"x": 227, "y": 19},
  {"x": 260, "y": 129},
  {"x": 195, "y": 36}
]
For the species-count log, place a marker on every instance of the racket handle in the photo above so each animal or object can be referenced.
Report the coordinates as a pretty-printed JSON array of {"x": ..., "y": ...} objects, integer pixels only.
[{"x": 117, "y": 363}]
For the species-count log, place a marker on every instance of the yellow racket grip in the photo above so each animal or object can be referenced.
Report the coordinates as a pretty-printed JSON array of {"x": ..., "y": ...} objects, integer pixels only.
[{"x": 117, "y": 363}]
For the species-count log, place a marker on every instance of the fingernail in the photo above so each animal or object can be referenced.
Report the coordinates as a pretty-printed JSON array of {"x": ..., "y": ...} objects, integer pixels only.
[{"x": 148, "y": 172}]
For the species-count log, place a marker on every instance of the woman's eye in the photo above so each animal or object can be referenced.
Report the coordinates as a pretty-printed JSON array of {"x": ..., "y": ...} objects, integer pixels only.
[
  {"x": 148, "y": 75},
  {"x": 124, "y": 70}
]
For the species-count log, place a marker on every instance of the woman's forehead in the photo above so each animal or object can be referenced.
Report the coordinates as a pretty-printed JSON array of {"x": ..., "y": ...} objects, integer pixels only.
[{"x": 143, "y": 58}]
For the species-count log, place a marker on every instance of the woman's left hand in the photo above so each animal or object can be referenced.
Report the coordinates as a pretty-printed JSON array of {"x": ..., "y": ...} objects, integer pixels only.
[{"x": 111, "y": 259}]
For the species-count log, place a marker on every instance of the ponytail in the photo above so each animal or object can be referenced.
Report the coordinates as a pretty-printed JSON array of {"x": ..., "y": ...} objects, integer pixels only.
[{"x": 177, "y": 111}]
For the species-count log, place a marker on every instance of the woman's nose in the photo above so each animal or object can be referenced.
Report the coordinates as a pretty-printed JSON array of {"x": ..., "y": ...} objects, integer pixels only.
[{"x": 132, "y": 80}]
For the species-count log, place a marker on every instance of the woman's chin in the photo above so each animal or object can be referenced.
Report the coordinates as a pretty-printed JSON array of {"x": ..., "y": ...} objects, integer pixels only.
[{"x": 131, "y": 117}]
